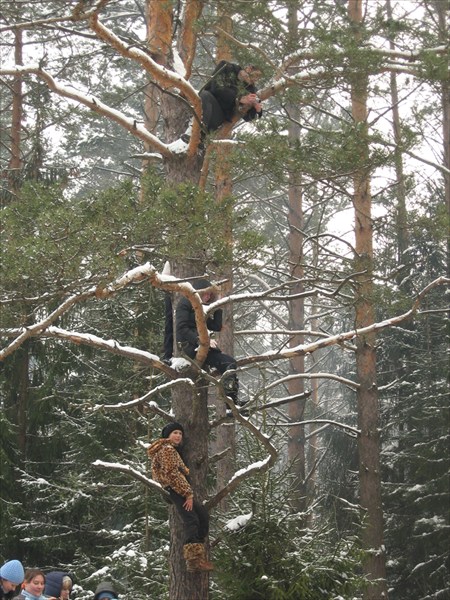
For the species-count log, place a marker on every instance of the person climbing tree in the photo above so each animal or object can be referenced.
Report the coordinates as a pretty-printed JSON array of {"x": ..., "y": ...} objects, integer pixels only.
[
  {"x": 186, "y": 336},
  {"x": 169, "y": 469},
  {"x": 230, "y": 91}
]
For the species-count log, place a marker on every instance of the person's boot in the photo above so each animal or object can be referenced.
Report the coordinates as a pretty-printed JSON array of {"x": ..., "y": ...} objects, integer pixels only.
[{"x": 195, "y": 556}]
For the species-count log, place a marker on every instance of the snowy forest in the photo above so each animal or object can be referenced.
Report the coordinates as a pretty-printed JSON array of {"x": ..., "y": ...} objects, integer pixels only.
[{"x": 325, "y": 225}]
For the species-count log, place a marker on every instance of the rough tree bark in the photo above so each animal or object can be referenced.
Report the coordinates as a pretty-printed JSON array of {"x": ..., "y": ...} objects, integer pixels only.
[
  {"x": 226, "y": 433},
  {"x": 367, "y": 393},
  {"x": 189, "y": 407},
  {"x": 296, "y": 438}
]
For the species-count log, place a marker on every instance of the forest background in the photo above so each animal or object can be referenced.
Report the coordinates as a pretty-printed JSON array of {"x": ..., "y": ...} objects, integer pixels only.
[{"x": 326, "y": 223}]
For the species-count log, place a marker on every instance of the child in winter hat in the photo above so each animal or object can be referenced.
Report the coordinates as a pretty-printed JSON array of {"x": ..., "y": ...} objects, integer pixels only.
[
  {"x": 105, "y": 590},
  {"x": 11, "y": 575},
  {"x": 58, "y": 584}
]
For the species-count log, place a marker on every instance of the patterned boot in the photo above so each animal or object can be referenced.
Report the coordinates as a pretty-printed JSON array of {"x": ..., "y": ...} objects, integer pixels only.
[{"x": 195, "y": 556}]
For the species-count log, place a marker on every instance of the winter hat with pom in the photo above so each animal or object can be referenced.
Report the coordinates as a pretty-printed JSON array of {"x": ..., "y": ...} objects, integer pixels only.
[
  {"x": 167, "y": 429},
  {"x": 13, "y": 571}
]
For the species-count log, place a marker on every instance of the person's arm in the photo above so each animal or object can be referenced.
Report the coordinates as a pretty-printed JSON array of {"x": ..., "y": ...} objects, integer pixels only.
[
  {"x": 255, "y": 112},
  {"x": 250, "y": 107},
  {"x": 214, "y": 322}
]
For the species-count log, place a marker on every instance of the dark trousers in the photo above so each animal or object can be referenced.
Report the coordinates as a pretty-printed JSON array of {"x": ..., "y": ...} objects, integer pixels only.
[
  {"x": 213, "y": 115},
  {"x": 216, "y": 359},
  {"x": 168, "y": 327},
  {"x": 195, "y": 521},
  {"x": 223, "y": 362}
]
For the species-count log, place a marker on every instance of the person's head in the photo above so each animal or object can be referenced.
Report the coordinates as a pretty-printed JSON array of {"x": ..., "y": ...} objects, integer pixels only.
[
  {"x": 11, "y": 575},
  {"x": 173, "y": 432},
  {"x": 34, "y": 582},
  {"x": 206, "y": 297},
  {"x": 58, "y": 585},
  {"x": 206, "y": 290},
  {"x": 250, "y": 74},
  {"x": 105, "y": 590}
]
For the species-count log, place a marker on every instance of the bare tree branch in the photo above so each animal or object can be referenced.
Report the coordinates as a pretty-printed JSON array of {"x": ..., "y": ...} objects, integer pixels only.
[
  {"x": 342, "y": 337},
  {"x": 352, "y": 430}
]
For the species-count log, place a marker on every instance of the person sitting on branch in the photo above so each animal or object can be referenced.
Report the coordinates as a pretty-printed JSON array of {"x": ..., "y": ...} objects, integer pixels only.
[
  {"x": 169, "y": 470},
  {"x": 231, "y": 91}
]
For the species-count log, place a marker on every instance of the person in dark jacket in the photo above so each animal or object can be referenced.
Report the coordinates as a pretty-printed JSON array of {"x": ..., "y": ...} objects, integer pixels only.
[
  {"x": 187, "y": 336},
  {"x": 58, "y": 584},
  {"x": 105, "y": 589},
  {"x": 230, "y": 91},
  {"x": 11, "y": 575},
  {"x": 169, "y": 470}
]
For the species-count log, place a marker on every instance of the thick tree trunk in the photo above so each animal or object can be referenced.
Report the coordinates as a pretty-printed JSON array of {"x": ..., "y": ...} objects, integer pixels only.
[
  {"x": 189, "y": 407},
  {"x": 367, "y": 395},
  {"x": 191, "y": 410}
]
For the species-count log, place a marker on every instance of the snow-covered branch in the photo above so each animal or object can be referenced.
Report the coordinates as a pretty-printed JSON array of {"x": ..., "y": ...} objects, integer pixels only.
[
  {"x": 281, "y": 401},
  {"x": 120, "y": 468},
  {"x": 340, "y": 338},
  {"x": 164, "y": 77},
  {"x": 255, "y": 468},
  {"x": 348, "y": 382},
  {"x": 146, "y": 398},
  {"x": 26, "y": 332},
  {"x": 96, "y": 105},
  {"x": 352, "y": 430}
]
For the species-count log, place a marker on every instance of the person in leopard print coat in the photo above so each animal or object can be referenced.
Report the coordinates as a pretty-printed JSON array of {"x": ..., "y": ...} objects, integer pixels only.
[{"x": 169, "y": 469}]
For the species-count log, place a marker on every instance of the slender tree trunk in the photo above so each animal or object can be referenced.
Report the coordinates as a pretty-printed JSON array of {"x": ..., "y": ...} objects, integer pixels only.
[
  {"x": 401, "y": 220},
  {"x": 23, "y": 384},
  {"x": 367, "y": 395},
  {"x": 296, "y": 439},
  {"x": 15, "y": 163},
  {"x": 226, "y": 434},
  {"x": 442, "y": 13},
  {"x": 314, "y": 438}
]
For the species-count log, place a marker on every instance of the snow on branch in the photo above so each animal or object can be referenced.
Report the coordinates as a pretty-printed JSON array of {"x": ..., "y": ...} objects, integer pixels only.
[
  {"x": 258, "y": 467},
  {"x": 281, "y": 401},
  {"x": 255, "y": 468},
  {"x": 121, "y": 468},
  {"x": 43, "y": 327},
  {"x": 340, "y": 338},
  {"x": 164, "y": 77},
  {"x": 352, "y": 431},
  {"x": 146, "y": 398},
  {"x": 26, "y": 332},
  {"x": 96, "y": 105},
  {"x": 348, "y": 382}
]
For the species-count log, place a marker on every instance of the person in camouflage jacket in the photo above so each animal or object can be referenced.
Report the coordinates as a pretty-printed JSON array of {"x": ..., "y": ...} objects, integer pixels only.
[{"x": 169, "y": 470}]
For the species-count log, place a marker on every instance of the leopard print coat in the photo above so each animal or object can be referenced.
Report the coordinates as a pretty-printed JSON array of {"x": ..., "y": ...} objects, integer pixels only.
[{"x": 168, "y": 467}]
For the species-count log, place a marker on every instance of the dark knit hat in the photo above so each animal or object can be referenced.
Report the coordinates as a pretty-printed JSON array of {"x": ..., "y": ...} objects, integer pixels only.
[
  {"x": 105, "y": 589},
  {"x": 167, "y": 429},
  {"x": 12, "y": 571}
]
